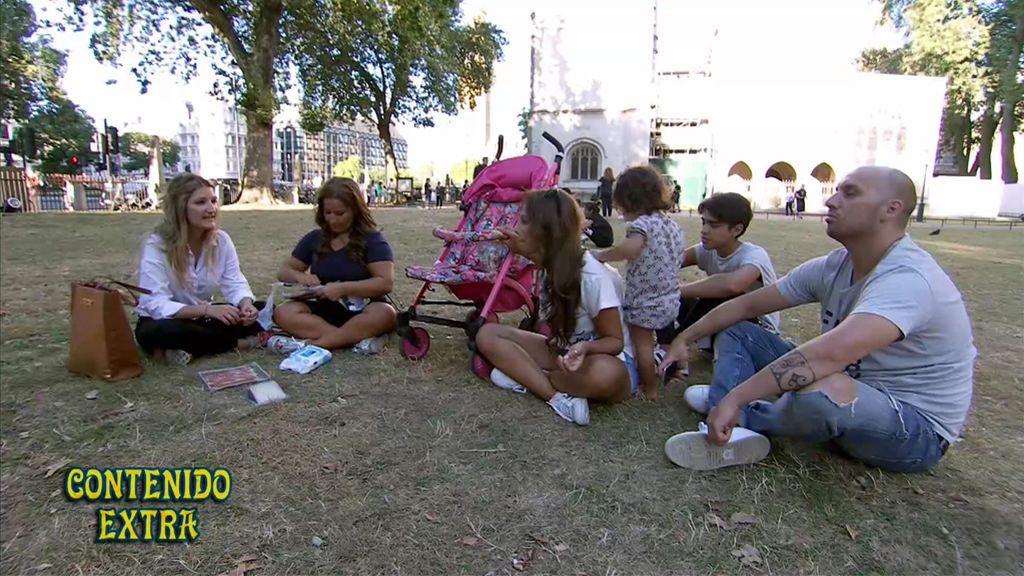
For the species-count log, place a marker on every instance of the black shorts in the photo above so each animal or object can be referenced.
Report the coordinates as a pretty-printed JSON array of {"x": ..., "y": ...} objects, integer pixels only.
[{"x": 333, "y": 312}]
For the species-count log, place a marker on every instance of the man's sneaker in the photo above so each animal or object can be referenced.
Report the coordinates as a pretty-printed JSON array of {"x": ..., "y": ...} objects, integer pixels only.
[
  {"x": 570, "y": 408},
  {"x": 177, "y": 357},
  {"x": 283, "y": 344},
  {"x": 374, "y": 345},
  {"x": 502, "y": 380},
  {"x": 697, "y": 398},
  {"x": 692, "y": 450}
]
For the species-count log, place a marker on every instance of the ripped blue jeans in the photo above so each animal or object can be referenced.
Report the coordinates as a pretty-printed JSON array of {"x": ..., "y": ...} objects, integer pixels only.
[{"x": 875, "y": 428}]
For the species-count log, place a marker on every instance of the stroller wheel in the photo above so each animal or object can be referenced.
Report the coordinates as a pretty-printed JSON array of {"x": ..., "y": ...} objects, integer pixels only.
[
  {"x": 480, "y": 366},
  {"x": 417, "y": 345}
]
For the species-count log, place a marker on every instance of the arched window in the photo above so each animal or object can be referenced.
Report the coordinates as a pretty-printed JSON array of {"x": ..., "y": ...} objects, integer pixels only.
[{"x": 584, "y": 162}]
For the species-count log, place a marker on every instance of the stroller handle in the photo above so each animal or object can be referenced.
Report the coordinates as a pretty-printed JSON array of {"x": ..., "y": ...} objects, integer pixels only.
[
  {"x": 501, "y": 146},
  {"x": 554, "y": 142}
]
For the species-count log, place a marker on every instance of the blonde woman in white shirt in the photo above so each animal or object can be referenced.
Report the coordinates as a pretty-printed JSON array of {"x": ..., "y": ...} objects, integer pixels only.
[{"x": 184, "y": 262}]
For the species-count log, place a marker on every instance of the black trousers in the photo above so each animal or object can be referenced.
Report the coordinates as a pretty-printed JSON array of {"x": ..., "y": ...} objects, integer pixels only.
[
  {"x": 690, "y": 311},
  {"x": 199, "y": 337},
  {"x": 606, "y": 206}
]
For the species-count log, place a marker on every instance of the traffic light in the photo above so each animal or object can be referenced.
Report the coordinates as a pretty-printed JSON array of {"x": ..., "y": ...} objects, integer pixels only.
[
  {"x": 114, "y": 146},
  {"x": 76, "y": 164}
]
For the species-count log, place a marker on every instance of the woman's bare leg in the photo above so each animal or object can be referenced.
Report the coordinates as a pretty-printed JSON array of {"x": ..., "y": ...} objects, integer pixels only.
[
  {"x": 296, "y": 319},
  {"x": 601, "y": 377},
  {"x": 376, "y": 319},
  {"x": 522, "y": 355}
]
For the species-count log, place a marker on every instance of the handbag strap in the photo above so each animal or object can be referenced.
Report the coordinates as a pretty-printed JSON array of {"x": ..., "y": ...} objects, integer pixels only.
[{"x": 128, "y": 292}]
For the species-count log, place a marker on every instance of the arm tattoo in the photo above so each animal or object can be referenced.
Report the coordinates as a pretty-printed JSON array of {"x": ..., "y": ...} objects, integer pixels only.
[{"x": 792, "y": 372}]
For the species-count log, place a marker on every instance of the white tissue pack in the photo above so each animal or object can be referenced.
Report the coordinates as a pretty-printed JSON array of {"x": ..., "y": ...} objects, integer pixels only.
[
  {"x": 266, "y": 392},
  {"x": 306, "y": 359}
]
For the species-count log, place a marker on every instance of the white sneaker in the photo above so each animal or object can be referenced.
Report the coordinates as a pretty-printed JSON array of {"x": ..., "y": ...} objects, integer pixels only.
[
  {"x": 373, "y": 345},
  {"x": 502, "y": 380},
  {"x": 571, "y": 409},
  {"x": 697, "y": 398},
  {"x": 283, "y": 344},
  {"x": 177, "y": 357},
  {"x": 691, "y": 449}
]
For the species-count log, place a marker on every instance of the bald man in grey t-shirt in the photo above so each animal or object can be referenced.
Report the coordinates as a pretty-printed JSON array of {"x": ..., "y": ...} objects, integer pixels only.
[{"x": 890, "y": 378}]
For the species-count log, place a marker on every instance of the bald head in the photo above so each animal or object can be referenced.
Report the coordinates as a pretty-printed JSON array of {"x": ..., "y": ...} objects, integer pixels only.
[{"x": 891, "y": 184}]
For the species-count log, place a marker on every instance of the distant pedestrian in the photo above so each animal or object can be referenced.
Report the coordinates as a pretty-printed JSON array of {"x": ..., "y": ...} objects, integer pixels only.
[
  {"x": 801, "y": 201},
  {"x": 790, "y": 200},
  {"x": 677, "y": 194},
  {"x": 439, "y": 197},
  {"x": 604, "y": 191}
]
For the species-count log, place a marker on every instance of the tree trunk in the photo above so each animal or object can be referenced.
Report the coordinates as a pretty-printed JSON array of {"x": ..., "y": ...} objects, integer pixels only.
[
  {"x": 1011, "y": 95},
  {"x": 390, "y": 163},
  {"x": 963, "y": 143},
  {"x": 1006, "y": 133},
  {"x": 259, "y": 102},
  {"x": 258, "y": 177},
  {"x": 989, "y": 121}
]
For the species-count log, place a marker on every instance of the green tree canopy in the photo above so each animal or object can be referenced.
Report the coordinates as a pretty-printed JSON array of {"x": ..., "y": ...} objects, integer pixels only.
[
  {"x": 245, "y": 42},
  {"x": 30, "y": 68},
  {"x": 390, "y": 60},
  {"x": 63, "y": 130},
  {"x": 351, "y": 167},
  {"x": 136, "y": 148},
  {"x": 977, "y": 45}
]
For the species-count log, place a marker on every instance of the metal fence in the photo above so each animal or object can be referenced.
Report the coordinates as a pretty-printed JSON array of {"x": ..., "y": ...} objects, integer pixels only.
[
  {"x": 14, "y": 185},
  {"x": 959, "y": 221},
  {"x": 47, "y": 192}
]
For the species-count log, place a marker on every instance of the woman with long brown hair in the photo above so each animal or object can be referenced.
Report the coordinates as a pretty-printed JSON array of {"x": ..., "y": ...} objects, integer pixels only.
[
  {"x": 183, "y": 263},
  {"x": 580, "y": 301},
  {"x": 351, "y": 264}
]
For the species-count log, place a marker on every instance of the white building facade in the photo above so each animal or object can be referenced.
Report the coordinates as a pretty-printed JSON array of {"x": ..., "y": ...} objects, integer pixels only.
[
  {"x": 212, "y": 139},
  {"x": 213, "y": 134},
  {"x": 594, "y": 96},
  {"x": 651, "y": 86}
]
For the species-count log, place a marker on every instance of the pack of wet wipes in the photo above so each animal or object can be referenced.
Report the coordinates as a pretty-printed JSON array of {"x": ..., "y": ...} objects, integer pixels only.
[{"x": 306, "y": 359}]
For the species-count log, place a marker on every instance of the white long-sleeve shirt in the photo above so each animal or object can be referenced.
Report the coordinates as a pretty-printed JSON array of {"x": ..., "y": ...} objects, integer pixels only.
[{"x": 203, "y": 280}]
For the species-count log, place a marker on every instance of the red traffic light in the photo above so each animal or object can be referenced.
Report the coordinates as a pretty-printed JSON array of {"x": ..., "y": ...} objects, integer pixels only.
[{"x": 74, "y": 160}]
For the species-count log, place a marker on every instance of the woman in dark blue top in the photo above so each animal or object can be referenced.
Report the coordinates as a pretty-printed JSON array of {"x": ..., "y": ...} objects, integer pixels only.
[{"x": 351, "y": 265}]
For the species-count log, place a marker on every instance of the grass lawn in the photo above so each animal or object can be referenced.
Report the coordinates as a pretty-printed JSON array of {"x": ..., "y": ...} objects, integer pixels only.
[{"x": 404, "y": 468}]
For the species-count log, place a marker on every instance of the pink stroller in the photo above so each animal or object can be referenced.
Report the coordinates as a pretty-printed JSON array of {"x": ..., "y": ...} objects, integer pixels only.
[{"x": 480, "y": 272}]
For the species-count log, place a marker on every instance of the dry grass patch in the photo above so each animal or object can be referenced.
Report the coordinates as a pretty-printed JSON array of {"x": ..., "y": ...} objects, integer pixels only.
[{"x": 402, "y": 468}]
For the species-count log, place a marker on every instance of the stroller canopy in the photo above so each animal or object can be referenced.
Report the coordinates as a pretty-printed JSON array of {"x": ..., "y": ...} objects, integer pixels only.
[{"x": 507, "y": 180}]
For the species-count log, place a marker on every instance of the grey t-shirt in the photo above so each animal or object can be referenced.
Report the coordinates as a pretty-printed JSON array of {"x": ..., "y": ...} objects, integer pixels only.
[
  {"x": 747, "y": 254},
  {"x": 932, "y": 367}
]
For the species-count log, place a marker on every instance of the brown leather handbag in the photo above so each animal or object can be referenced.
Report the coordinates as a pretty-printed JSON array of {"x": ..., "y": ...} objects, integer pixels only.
[{"x": 102, "y": 343}]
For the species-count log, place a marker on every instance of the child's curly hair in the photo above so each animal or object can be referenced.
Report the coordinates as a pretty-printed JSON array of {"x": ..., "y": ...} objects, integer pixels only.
[{"x": 641, "y": 190}]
